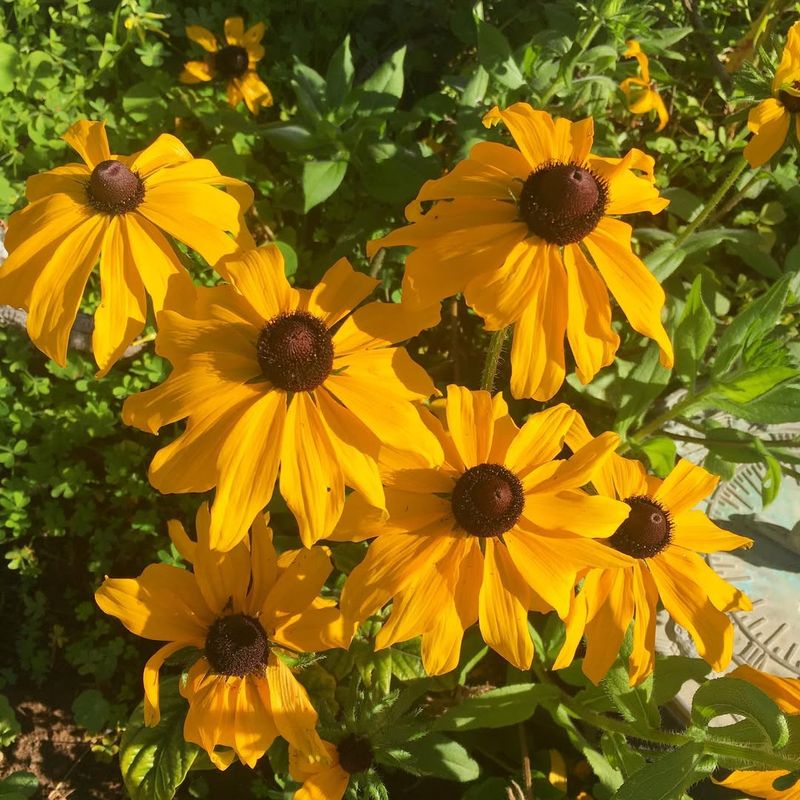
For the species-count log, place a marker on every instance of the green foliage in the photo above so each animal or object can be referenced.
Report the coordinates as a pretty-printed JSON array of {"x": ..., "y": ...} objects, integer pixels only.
[{"x": 9, "y": 725}]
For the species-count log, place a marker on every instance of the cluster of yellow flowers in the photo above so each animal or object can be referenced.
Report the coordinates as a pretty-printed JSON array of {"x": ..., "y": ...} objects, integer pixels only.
[{"x": 473, "y": 519}]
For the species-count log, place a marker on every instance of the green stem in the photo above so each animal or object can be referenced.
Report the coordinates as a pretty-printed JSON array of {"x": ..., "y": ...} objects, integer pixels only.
[
  {"x": 754, "y": 755},
  {"x": 735, "y": 198},
  {"x": 376, "y": 262},
  {"x": 583, "y": 44},
  {"x": 739, "y": 167},
  {"x": 493, "y": 358}
]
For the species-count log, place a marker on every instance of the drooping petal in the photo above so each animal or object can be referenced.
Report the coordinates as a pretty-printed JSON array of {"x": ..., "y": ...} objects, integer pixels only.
[
  {"x": 634, "y": 287},
  {"x": 183, "y": 544},
  {"x": 152, "y": 710},
  {"x": 685, "y": 487},
  {"x": 164, "y": 603},
  {"x": 759, "y": 784},
  {"x": 769, "y": 122},
  {"x": 645, "y": 598},
  {"x": 503, "y": 607},
  {"x": 263, "y": 564},
  {"x": 196, "y": 72},
  {"x": 88, "y": 139},
  {"x": 253, "y": 727},
  {"x": 255, "y": 92},
  {"x": 312, "y": 481},
  {"x": 248, "y": 465}
]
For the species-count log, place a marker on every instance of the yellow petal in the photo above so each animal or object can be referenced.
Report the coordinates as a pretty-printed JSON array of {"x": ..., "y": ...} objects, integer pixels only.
[
  {"x": 784, "y": 691},
  {"x": 247, "y": 466},
  {"x": 769, "y": 122},
  {"x": 70, "y": 179},
  {"x": 152, "y": 711},
  {"x": 645, "y": 598},
  {"x": 685, "y": 487},
  {"x": 57, "y": 293},
  {"x": 503, "y": 604},
  {"x": 537, "y": 350},
  {"x": 297, "y": 585},
  {"x": 631, "y": 183},
  {"x": 254, "y": 34},
  {"x": 263, "y": 564},
  {"x": 592, "y": 516},
  {"x": 634, "y": 287},
  {"x": 391, "y": 368},
  {"x": 164, "y": 603},
  {"x": 589, "y": 332},
  {"x": 89, "y": 141},
  {"x": 255, "y": 92},
  {"x": 315, "y": 629},
  {"x": 758, "y": 784},
  {"x": 539, "y": 440},
  {"x": 789, "y": 67},
  {"x": 183, "y": 544},
  {"x": 294, "y": 716},
  {"x": 532, "y": 130},
  {"x": 606, "y": 630},
  {"x": 328, "y": 784},
  {"x": 196, "y": 72},
  {"x": 203, "y": 37},
  {"x": 234, "y": 30},
  {"x": 253, "y": 728},
  {"x": 500, "y": 158},
  {"x": 470, "y": 423},
  {"x": 339, "y": 291},
  {"x": 166, "y": 151},
  {"x": 695, "y": 531},
  {"x": 575, "y": 471},
  {"x": 122, "y": 311},
  {"x": 575, "y": 622},
  {"x": 259, "y": 275}
]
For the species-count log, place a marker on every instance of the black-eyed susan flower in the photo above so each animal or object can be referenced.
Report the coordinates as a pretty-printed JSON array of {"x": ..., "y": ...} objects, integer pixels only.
[
  {"x": 769, "y": 121},
  {"x": 664, "y": 538},
  {"x": 330, "y": 779},
  {"x": 115, "y": 210},
  {"x": 238, "y": 609},
  {"x": 271, "y": 375},
  {"x": 523, "y": 234},
  {"x": 500, "y": 529},
  {"x": 640, "y": 92},
  {"x": 233, "y": 60},
  {"x": 786, "y": 694}
]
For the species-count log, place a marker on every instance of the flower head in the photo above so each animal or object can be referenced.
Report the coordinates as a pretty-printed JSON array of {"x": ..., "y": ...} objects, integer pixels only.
[
  {"x": 233, "y": 60},
  {"x": 664, "y": 538},
  {"x": 115, "y": 209},
  {"x": 238, "y": 609},
  {"x": 641, "y": 95},
  {"x": 786, "y": 694},
  {"x": 500, "y": 529},
  {"x": 330, "y": 778},
  {"x": 769, "y": 121},
  {"x": 522, "y": 232},
  {"x": 268, "y": 376}
]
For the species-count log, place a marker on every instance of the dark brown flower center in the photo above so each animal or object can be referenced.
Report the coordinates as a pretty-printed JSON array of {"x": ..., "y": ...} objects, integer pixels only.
[
  {"x": 487, "y": 500},
  {"x": 113, "y": 188},
  {"x": 231, "y": 61},
  {"x": 355, "y": 753},
  {"x": 236, "y": 645},
  {"x": 646, "y": 531},
  {"x": 295, "y": 351},
  {"x": 790, "y": 101},
  {"x": 563, "y": 203}
]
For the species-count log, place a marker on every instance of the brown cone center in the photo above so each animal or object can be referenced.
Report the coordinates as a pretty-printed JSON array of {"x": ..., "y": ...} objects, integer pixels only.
[
  {"x": 231, "y": 61},
  {"x": 236, "y": 645},
  {"x": 113, "y": 188},
  {"x": 562, "y": 203},
  {"x": 646, "y": 531},
  {"x": 789, "y": 101},
  {"x": 487, "y": 500}
]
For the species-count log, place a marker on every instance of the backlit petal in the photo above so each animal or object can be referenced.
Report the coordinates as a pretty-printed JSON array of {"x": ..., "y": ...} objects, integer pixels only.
[{"x": 89, "y": 140}]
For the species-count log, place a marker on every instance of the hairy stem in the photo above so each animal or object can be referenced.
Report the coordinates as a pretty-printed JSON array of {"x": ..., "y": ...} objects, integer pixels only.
[{"x": 493, "y": 359}]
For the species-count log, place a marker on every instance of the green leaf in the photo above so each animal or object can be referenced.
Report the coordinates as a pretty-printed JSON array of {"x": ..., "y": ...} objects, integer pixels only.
[
  {"x": 381, "y": 91},
  {"x": 751, "y": 385},
  {"x": 661, "y": 453},
  {"x": 496, "y": 708},
  {"x": 339, "y": 78},
  {"x": 9, "y": 62},
  {"x": 635, "y": 703},
  {"x": 780, "y": 405},
  {"x": 91, "y": 710},
  {"x": 18, "y": 786},
  {"x": 155, "y": 761},
  {"x": 320, "y": 180},
  {"x": 494, "y": 54},
  {"x": 434, "y": 756},
  {"x": 771, "y": 482},
  {"x": 309, "y": 87},
  {"x": 475, "y": 90},
  {"x": 672, "y": 672},
  {"x": 693, "y": 333},
  {"x": 142, "y": 100},
  {"x": 9, "y": 725},
  {"x": 289, "y": 136},
  {"x": 669, "y": 776},
  {"x": 620, "y": 755},
  {"x": 643, "y": 384},
  {"x": 735, "y": 696},
  {"x": 750, "y": 326}
]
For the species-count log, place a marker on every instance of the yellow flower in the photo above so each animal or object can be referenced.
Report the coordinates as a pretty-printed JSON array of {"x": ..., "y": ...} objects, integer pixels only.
[
  {"x": 237, "y": 608},
  {"x": 234, "y": 61},
  {"x": 271, "y": 375},
  {"x": 329, "y": 779},
  {"x": 115, "y": 209},
  {"x": 786, "y": 694},
  {"x": 512, "y": 228},
  {"x": 640, "y": 92},
  {"x": 664, "y": 537},
  {"x": 769, "y": 121},
  {"x": 498, "y": 530}
]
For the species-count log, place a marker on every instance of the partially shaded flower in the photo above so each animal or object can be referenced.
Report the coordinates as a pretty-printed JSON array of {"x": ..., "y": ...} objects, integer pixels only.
[
  {"x": 329, "y": 779},
  {"x": 786, "y": 694},
  {"x": 268, "y": 376},
  {"x": 523, "y": 234},
  {"x": 238, "y": 608},
  {"x": 233, "y": 60},
  {"x": 664, "y": 538},
  {"x": 641, "y": 92},
  {"x": 769, "y": 121},
  {"x": 500, "y": 529},
  {"x": 115, "y": 209}
]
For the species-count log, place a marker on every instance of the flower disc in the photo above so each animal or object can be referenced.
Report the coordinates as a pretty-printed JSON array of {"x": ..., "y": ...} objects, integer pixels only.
[
  {"x": 113, "y": 188},
  {"x": 646, "y": 531},
  {"x": 236, "y": 645},
  {"x": 487, "y": 500},
  {"x": 231, "y": 61}
]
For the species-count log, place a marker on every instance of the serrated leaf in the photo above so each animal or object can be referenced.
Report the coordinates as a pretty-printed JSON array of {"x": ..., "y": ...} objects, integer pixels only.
[
  {"x": 780, "y": 405},
  {"x": 669, "y": 776},
  {"x": 748, "y": 386},
  {"x": 671, "y": 672},
  {"x": 339, "y": 77},
  {"x": 620, "y": 754},
  {"x": 496, "y": 708},
  {"x": 735, "y": 696},
  {"x": 693, "y": 333},
  {"x": 320, "y": 180},
  {"x": 635, "y": 703},
  {"x": 434, "y": 756},
  {"x": 155, "y": 761}
]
